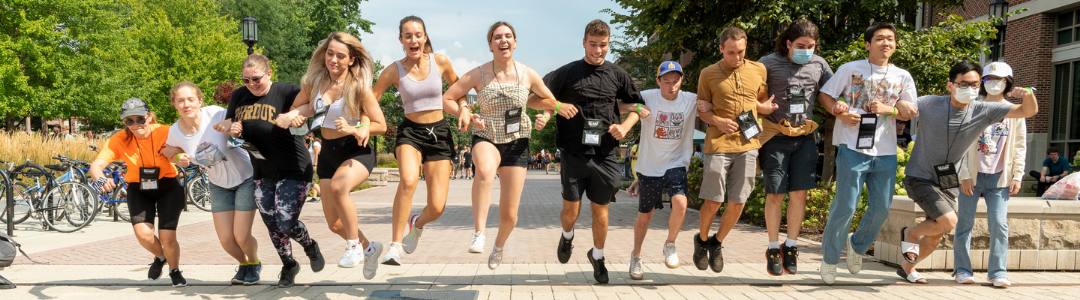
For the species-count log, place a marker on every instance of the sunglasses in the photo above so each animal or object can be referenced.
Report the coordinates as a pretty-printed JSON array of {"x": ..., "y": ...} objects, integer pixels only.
[
  {"x": 140, "y": 120},
  {"x": 247, "y": 80}
]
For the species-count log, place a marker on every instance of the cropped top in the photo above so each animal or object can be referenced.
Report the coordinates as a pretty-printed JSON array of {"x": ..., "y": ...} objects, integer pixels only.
[
  {"x": 325, "y": 114},
  {"x": 424, "y": 95}
]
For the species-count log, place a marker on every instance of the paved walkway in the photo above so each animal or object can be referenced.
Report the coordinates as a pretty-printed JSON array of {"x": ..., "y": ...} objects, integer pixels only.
[{"x": 104, "y": 260}]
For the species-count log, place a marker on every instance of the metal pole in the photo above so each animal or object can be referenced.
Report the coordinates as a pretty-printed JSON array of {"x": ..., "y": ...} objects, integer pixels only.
[{"x": 10, "y": 210}]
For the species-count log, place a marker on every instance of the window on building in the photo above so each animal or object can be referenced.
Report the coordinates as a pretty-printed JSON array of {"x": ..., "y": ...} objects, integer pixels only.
[
  {"x": 1065, "y": 128},
  {"x": 1068, "y": 28}
]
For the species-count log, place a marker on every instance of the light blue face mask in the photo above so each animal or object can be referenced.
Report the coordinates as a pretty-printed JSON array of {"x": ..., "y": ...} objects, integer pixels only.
[{"x": 801, "y": 56}]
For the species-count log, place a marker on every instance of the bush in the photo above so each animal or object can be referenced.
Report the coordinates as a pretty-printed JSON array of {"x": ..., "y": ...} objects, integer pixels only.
[
  {"x": 386, "y": 160},
  {"x": 40, "y": 149}
]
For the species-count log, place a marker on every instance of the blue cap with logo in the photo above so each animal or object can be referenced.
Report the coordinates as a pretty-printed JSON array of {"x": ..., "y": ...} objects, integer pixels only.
[{"x": 668, "y": 66}]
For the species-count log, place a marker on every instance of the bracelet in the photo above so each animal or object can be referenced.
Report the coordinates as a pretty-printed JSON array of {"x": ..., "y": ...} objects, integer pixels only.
[
  {"x": 894, "y": 112},
  {"x": 639, "y": 108},
  {"x": 358, "y": 125},
  {"x": 557, "y": 107},
  {"x": 841, "y": 100},
  {"x": 178, "y": 157}
]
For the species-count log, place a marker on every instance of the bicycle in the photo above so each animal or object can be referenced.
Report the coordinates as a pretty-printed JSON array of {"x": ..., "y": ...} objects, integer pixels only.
[
  {"x": 109, "y": 200},
  {"x": 63, "y": 207},
  {"x": 196, "y": 185}
]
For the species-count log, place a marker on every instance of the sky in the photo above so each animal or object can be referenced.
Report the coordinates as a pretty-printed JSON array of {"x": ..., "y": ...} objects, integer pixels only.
[{"x": 549, "y": 32}]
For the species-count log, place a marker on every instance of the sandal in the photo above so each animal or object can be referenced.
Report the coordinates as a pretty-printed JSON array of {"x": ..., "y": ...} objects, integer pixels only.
[
  {"x": 913, "y": 277},
  {"x": 908, "y": 248}
]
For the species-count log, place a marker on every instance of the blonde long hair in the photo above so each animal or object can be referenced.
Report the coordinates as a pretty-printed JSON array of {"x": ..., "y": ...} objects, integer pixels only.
[{"x": 358, "y": 77}]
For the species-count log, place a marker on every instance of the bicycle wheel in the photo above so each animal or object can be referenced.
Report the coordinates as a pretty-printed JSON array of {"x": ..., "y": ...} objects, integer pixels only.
[
  {"x": 22, "y": 203},
  {"x": 120, "y": 206},
  {"x": 198, "y": 191},
  {"x": 69, "y": 206}
]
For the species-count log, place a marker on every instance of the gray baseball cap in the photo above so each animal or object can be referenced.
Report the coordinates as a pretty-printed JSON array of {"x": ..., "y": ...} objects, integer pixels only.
[{"x": 134, "y": 107}]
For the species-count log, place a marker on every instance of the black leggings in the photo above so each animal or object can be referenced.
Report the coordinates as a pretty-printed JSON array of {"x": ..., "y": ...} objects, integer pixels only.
[{"x": 167, "y": 201}]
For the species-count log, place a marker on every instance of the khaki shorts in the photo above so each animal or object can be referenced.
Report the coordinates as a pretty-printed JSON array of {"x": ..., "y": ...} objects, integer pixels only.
[{"x": 730, "y": 174}]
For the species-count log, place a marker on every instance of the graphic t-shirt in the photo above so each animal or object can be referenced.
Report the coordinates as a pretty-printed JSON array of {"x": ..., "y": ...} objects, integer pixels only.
[
  {"x": 948, "y": 132},
  {"x": 667, "y": 135},
  {"x": 991, "y": 147},
  {"x": 285, "y": 156},
  {"x": 594, "y": 90},
  {"x": 225, "y": 166},
  {"x": 783, "y": 74},
  {"x": 860, "y": 83}
]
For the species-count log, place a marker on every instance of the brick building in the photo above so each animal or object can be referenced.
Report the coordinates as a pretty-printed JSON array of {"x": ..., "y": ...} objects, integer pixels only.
[{"x": 1043, "y": 47}]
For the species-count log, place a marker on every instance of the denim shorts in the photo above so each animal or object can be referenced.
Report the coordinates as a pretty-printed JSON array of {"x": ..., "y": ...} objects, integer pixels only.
[{"x": 239, "y": 198}]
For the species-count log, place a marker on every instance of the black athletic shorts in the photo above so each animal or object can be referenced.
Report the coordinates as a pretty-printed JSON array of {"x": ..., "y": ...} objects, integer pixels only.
[
  {"x": 336, "y": 151},
  {"x": 166, "y": 202},
  {"x": 514, "y": 153},
  {"x": 596, "y": 176},
  {"x": 433, "y": 140}
]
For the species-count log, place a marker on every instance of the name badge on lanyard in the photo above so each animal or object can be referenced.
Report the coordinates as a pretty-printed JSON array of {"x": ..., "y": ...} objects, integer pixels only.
[
  {"x": 946, "y": 176},
  {"x": 513, "y": 120},
  {"x": 254, "y": 151},
  {"x": 594, "y": 129},
  {"x": 748, "y": 124},
  {"x": 148, "y": 178},
  {"x": 867, "y": 130},
  {"x": 797, "y": 101}
]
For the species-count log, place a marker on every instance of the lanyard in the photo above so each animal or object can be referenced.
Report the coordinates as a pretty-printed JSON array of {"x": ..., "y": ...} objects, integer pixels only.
[
  {"x": 137, "y": 145},
  {"x": 948, "y": 126},
  {"x": 882, "y": 76}
]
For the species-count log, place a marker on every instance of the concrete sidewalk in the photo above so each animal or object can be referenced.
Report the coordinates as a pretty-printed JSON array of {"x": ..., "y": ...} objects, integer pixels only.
[{"x": 104, "y": 260}]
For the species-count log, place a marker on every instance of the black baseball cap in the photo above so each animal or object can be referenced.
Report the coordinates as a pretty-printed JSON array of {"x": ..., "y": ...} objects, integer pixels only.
[{"x": 134, "y": 107}]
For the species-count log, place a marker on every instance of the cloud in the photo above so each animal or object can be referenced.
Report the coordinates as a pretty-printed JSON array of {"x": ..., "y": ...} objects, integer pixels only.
[
  {"x": 463, "y": 65},
  {"x": 457, "y": 44}
]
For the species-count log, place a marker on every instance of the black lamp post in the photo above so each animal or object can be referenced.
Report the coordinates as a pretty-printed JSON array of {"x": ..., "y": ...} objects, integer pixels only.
[
  {"x": 998, "y": 9},
  {"x": 249, "y": 28}
]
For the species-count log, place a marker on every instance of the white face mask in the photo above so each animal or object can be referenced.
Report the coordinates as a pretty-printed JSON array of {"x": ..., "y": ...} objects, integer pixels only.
[
  {"x": 966, "y": 95},
  {"x": 995, "y": 87}
]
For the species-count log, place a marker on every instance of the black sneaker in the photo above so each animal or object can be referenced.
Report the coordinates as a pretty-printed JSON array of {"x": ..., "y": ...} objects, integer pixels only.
[
  {"x": 773, "y": 261},
  {"x": 791, "y": 258},
  {"x": 599, "y": 270},
  {"x": 241, "y": 271},
  {"x": 315, "y": 255},
  {"x": 155, "y": 269},
  {"x": 252, "y": 276},
  {"x": 716, "y": 257},
  {"x": 288, "y": 274},
  {"x": 701, "y": 253},
  {"x": 565, "y": 248},
  {"x": 177, "y": 279}
]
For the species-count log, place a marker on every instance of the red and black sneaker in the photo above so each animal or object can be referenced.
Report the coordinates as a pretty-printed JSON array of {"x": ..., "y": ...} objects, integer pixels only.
[
  {"x": 791, "y": 258},
  {"x": 773, "y": 261}
]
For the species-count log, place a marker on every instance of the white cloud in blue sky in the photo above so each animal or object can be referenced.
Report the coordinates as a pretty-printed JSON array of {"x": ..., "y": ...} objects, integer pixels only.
[{"x": 549, "y": 32}]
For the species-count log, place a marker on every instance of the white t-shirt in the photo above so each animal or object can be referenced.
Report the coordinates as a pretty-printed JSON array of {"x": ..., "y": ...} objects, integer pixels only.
[
  {"x": 225, "y": 167},
  {"x": 311, "y": 149},
  {"x": 667, "y": 135},
  {"x": 860, "y": 83}
]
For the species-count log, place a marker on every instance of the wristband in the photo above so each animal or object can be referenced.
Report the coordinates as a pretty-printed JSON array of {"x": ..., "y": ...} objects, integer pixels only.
[
  {"x": 894, "y": 112},
  {"x": 639, "y": 108},
  {"x": 358, "y": 125},
  {"x": 178, "y": 157},
  {"x": 841, "y": 100},
  {"x": 557, "y": 107}
]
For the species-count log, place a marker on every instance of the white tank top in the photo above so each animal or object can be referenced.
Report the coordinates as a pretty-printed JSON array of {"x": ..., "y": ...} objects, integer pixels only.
[{"x": 333, "y": 111}]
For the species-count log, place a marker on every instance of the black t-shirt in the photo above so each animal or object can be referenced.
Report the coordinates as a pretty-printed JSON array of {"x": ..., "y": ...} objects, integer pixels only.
[
  {"x": 286, "y": 156},
  {"x": 595, "y": 91},
  {"x": 468, "y": 157}
]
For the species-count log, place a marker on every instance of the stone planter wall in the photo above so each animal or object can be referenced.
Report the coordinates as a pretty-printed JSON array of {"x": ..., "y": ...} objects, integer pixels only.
[
  {"x": 379, "y": 177},
  {"x": 1043, "y": 235}
]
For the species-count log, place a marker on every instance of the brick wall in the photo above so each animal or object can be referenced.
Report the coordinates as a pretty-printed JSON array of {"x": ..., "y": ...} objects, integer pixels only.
[
  {"x": 971, "y": 9},
  {"x": 1029, "y": 44}
]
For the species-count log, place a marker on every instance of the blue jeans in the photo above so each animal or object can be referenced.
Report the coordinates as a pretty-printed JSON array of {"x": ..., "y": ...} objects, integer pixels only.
[
  {"x": 853, "y": 169},
  {"x": 997, "y": 208}
]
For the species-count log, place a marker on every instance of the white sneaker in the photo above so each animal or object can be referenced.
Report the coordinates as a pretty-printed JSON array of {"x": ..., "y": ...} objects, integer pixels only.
[
  {"x": 393, "y": 255},
  {"x": 1002, "y": 282},
  {"x": 964, "y": 278},
  {"x": 635, "y": 268},
  {"x": 495, "y": 259},
  {"x": 854, "y": 260},
  {"x": 828, "y": 273},
  {"x": 477, "y": 245},
  {"x": 409, "y": 243},
  {"x": 371, "y": 261},
  {"x": 671, "y": 259},
  {"x": 351, "y": 257}
]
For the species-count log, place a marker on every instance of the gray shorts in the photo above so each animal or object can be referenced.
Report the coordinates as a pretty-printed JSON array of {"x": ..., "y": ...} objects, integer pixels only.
[
  {"x": 730, "y": 174},
  {"x": 789, "y": 164},
  {"x": 239, "y": 198},
  {"x": 933, "y": 200}
]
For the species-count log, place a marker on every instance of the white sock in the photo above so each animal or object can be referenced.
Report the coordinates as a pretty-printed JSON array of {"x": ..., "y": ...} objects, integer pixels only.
[
  {"x": 497, "y": 248},
  {"x": 774, "y": 245},
  {"x": 790, "y": 242},
  {"x": 597, "y": 253},
  {"x": 350, "y": 243},
  {"x": 369, "y": 250},
  {"x": 161, "y": 258},
  {"x": 568, "y": 234}
]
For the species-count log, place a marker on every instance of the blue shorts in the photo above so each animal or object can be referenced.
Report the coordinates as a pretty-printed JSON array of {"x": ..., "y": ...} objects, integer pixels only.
[
  {"x": 240, "y": 197},
  {"x": 651, "y": 188}
]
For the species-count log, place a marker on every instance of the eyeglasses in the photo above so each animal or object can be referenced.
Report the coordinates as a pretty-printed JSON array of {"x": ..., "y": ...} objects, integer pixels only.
[
  {"x": 130, "y": 122},
  {"x": 967, "y": 84},
  {"x": 247, "y": 80}
]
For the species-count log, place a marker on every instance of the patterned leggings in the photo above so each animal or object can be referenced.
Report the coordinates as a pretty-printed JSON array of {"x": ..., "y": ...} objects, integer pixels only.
[{"x": 279, "y": 204}]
